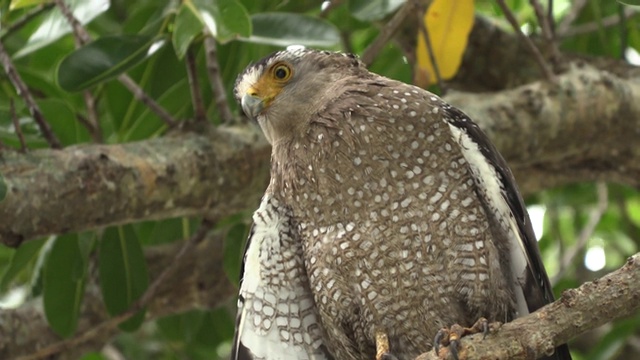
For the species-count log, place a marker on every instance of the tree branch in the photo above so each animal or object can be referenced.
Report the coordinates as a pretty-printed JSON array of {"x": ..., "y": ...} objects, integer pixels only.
[
  {"x": 23, "y": 91},
  {"x": 544, "y": 67},
  {"x": 215, "y": 79},
  {"x": 583, "y": 128},
  {"x": 199, "y": 113},
  {"x": 87, "y": 187},
  {"x": 593, "y": 304},
  {"x": 387, "y": 32}
]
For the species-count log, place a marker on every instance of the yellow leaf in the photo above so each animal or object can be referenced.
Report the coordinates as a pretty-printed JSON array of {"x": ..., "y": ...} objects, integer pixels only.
[{"x": 448, "y": 24}]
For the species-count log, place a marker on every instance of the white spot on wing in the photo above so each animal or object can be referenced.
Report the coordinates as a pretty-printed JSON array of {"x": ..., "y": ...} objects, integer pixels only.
[{"x": 486, "y": 176}]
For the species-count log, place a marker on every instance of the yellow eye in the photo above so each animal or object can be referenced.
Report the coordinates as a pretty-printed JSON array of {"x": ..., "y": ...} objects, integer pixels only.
[{"x": 281, "y": 72}]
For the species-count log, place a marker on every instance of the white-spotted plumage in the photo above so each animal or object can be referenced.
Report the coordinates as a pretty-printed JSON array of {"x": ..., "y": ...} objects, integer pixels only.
[
  {"x": 402, "y": 216},
  {"x": 498, "y": 189},
  {"x": 277, "y": 319},
  {"x": 494, "y": 194}
]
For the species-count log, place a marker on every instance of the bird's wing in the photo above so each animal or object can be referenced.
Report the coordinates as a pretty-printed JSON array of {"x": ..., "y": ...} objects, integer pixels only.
[
  {"x": 277, "y": 317},
  {"x": 498, "y": 191}
]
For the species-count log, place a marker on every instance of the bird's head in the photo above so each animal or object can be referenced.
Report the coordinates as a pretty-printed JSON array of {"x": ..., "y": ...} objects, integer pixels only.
[{"x": 284, "y": 89}]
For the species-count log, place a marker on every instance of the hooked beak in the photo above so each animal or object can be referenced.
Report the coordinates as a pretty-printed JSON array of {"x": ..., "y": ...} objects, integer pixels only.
[{"x": 251, "y": 105}]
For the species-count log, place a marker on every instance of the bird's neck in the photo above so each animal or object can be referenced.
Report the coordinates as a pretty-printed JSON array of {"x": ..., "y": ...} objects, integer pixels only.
[{"x": 291, "y": 166}]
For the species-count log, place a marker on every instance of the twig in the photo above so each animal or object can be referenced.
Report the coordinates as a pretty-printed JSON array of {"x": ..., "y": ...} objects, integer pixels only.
[
  {"x": 85, "y": 122},
  {"x": 95, "y": 130},
  {"x": 624, "y": 38},
  {"x": 547, "y": 31},
  {"x": 605, "y": 22},
  {"x": 429, "y": 46},
  {"x": 550, "y": 19},
  {"x": 142, "y": 96},
  {"x": 387, "y": 32},
  {"x": 141, "y": 303},
  {"x": 81, "y": 35},
  {"x": 586, "y": 232},
  {"x": 572, "y": 15},
  {"x": 81, "y": 38},
  {"x": 332, "y": 5},
  {"x": 345, "y": 40},
  {"x": 217, "y": 86},
  {"x": 18, "y": 24},
  {"x": 543, "y": 21},
  {"x": 25, "y": 93},
  {"x": 16, "y": 125},
  {"x": 194, "y": 84},
  {"x": 544, "y": 67}
]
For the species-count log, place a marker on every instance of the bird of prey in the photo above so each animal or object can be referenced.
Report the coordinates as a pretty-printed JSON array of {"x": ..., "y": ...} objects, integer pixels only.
[{"x": 389, "y": 216}]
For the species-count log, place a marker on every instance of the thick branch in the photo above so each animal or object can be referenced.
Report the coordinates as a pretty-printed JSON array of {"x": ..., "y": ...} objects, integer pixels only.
[
  {"x": 612, "y": 297},
  {"x": 583, "y": 128},
  {"x": 87, "y": 187}
]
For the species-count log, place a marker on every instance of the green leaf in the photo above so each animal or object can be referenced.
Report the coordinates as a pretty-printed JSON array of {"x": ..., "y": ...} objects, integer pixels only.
[
  {"x": 37, "y": 283},
  {"x": 216, "y": 328},
  {"x": 123, "y": 273},
  {"x": 63, "y": 121},
  {"x": 160, "y": 232},
  {"x": 93, "y": 356},
  {"x": 103, "y": 59},
  {"x": 283, "y": 29},
  {"x": 225, "y": 19},
  {"x": 181, "y": 327},
  {"x": 373, "y": 10},
  {"x": 64, "y": 279},
  {"x": 198, "y": 329},
  {"x": 54, "y": 26},
  {"x": 187, "y": 27},
  {"x": 20, "y": 259},
  {"x": 3, "y": 188}
]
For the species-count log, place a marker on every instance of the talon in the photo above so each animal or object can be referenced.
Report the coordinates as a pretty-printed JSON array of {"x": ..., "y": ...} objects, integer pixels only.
[
  {"x": 485, "y": 328},
  {"x": 442, "y": 338},
  {"x": 451, "y": 337},
  {"x": 453, "y": 348}
]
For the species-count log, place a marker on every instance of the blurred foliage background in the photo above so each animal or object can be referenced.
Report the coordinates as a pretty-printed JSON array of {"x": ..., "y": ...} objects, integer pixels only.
[{"x": 585, "y": 230}]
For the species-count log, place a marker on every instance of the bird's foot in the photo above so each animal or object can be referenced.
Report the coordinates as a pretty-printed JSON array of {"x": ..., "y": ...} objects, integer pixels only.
[
  {"x": 451, "y": 337},
  {"x": 382, "y": 347}
]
